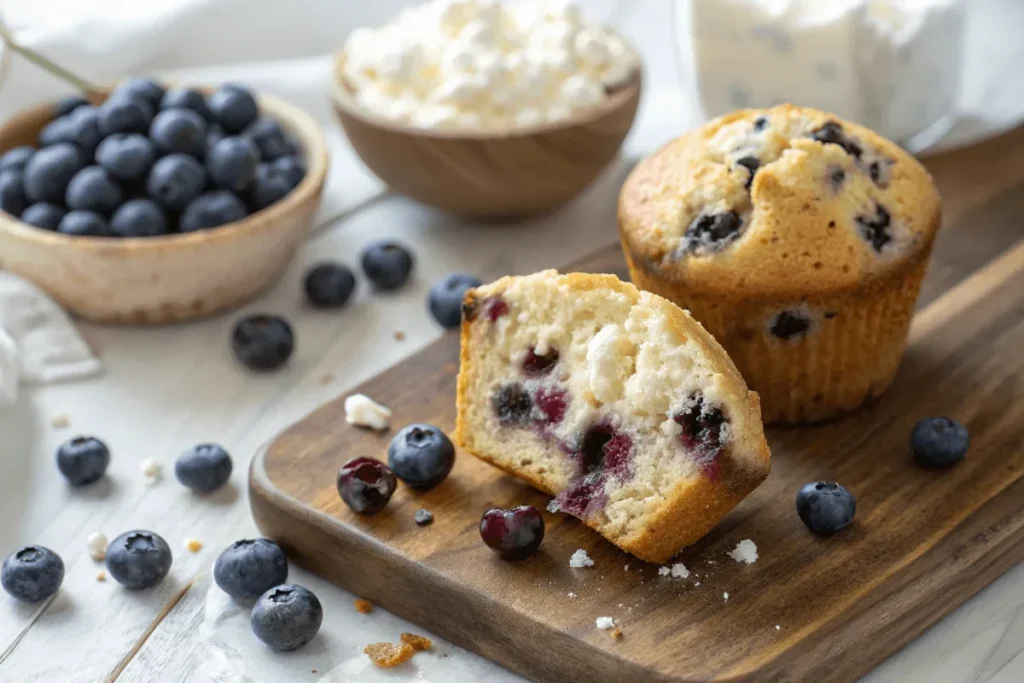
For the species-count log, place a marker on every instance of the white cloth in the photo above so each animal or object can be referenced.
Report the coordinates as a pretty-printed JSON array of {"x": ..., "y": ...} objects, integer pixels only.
[{"x": 38, "y": 342}]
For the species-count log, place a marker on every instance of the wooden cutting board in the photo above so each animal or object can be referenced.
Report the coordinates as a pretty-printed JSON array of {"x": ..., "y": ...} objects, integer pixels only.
[{"x": 809, "y": 609}]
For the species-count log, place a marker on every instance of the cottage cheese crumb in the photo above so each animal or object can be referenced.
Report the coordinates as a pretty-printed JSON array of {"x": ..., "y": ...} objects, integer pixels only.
[
  {"x": 580, "y": 559},
  {"x": 605, "y": 623},
  {"x": 97, "y": 543},
  {"x": 664, "y": 571},
  {"x": 777, "y": 627},
  {"x": 676, "y": 571},
  {"x": 572, "y": 595},
  {"x": 725, "y": 596},
  {"x": 151, "y": 470},
  {"x": 363, "y": 411},
  {"x": 745, "y": 552}
]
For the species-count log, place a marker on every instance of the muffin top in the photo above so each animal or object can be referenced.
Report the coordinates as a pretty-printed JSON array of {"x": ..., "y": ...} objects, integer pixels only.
[{"x": 779, "y": 202}]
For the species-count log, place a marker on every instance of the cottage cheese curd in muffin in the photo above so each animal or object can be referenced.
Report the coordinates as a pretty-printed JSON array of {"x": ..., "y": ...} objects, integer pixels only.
[{"x": 798, "y": 239}]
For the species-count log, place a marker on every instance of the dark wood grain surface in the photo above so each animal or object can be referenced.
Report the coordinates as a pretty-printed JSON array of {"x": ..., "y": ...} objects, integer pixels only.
[{"x": 809, "y": 609}]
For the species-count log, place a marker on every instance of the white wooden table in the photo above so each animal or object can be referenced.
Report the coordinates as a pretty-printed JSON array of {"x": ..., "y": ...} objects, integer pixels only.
[{"x": 169, "y": 388}]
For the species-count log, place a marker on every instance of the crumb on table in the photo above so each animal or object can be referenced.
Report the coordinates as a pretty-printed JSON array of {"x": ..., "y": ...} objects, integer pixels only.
[
  {"x": 101, "y": 576},
  {"x": 193, "y": 545},
  {"x": 418, "y": 643},
  {"x": 616, "y": 633},
  {"x": 60, "y": 421},
  {"x": 326, "y": 379},
  {"x": 363, "y": 606},
  {"x": 399, "y": 335},
  {"x": 386, "y": 654}
]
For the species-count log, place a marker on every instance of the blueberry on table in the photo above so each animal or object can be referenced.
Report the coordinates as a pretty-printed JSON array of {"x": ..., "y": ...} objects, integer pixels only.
[
  {"x": 938, "y": 442},
  {"x": 65, "y": 106},
  {"x": 825, "y": 507},
  {"x": 146, "y": 89},
  {"x": 232, "y": 163},
  {"x": 126, "y": 156},
  {"x": 124, "y": 115},
  {"x": 138, "y": 218},
  {"x": 93, "y": 189},
  {"x": 138, "y": 559},
  {"x": 445, "y": 298},
  {"x": 329, "y": 285},
  {"x": 179, "y": 131},
  {"x": 514, "y": 534},
  {"x": 185, "y": 98},
  {"x": 286, "y": 617},
  {"x": 250, "y": 567},
  {"x": 32, "y": 574},
  {"x": 203, "y": 468},
  {"x": 233, "y": 107},
  {"x": 274, "y": 181},
  {"x": 212, "y": 210},
  {"x": 421, "y": 456},
  {"x": 366, "y": 484},
  {"x": 12, "y": 196},
  {"x": 83, "y": 224},
  {"x": 43, "y": 215},
  {"x": 83, "y": 460},
  {"x": 175, "y": 180},
  {"x": 270, "y": 139},
  {"x": 387, "y": 265},
  {"x": 49, "y": 171},
  {"x": 16, "y": 158},
  {"x": 263, "y": 342}
]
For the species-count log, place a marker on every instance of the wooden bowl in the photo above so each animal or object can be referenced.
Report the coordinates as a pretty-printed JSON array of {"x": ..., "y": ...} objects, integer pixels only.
[
  {"x": 491, "y": 175},
  {"x": 175, "y": 277}
]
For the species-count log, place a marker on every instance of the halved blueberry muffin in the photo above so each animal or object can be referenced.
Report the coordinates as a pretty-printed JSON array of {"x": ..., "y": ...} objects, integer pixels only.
[
  {"x": 799, "y": 241},
  {"x": 613, "y": 400}
]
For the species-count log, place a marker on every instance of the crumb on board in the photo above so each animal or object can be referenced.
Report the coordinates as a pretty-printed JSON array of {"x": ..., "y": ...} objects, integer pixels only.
[
  {"x": 616, "y": 633},
  {"x": 418, "y": 643},
  {"x": 572, "y": 595},
  {"x": 363, "y": 606},
  {"x": 399, "y": 335},
  {"x": 580, "y": 559},
  {"x": 778, "y": 627},
  {"x": 676, "y": 571},
  {"x": 101, "y": 576},
  {"x": 61, "y": 421},
  {"x": 387, "y": 655},
  {"x": 745, "y": 552},
  {"x": 193, "y": 545},
  {"x": 326, "y": 379},
  {"x": 725, "y": 595},
  {"x": 605, "y": 623}
]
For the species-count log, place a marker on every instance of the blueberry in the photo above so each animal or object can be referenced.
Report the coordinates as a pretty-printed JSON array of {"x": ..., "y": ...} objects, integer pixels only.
[
  {"x": 712, "y": 232},
  {"x": 12, "y": 196},
  {"x": 750, "y": 163},
  {"x": 232, "y": 163},
  {"x": 138, "y": 218},
  {"x": 263, "y": 342},
  {"x": 212, "y": 210},
  {"x": 938, "y": 442},
  {"x": 329, "y": 285},
  {"x": 250, "y": 567},
  {"x": 185, "y": 98},
  {"x": 68, "y": 104},
  {"x": 81, "y": 128},
  {"x": 876, "y": 229},
  {"x": 127, "y": 156},
  {"x": 179, "y": 131},
  {"x": 445, "y": 299},
  {"x": 93, "y": 189},
  {"x": 831, "y": 133},
  {"x": 825, "y": 507},
  {"x": 233, "y": 107},
  {"x": 366, "y": 484},
  {"x": 55, "y": 131},
  {"x": 387, "y": 265},
  {"x": 291, "y": 168},
  {"x": 790, "y": 324},
  {"x": 145, "y": 89},
  {"x": 214, "y": 134},
  {"x": 539, "y": 364},
  {"x": 286, "y": 617},
  {"x": 33, "y": 573},
  {"x": 421, "y": 456},
  {"x": 512, "y": 404},
  {"x": 16, "y": 158},
  {"x": 83, "y": 460},
  {"x": 175, "y": 180},
  {"x": 84, "y": 224},
  {"x": 270, "y": 139},
  {"x": 124, "y": 115},
  {"x": 49, "y": 171},
  {"x": 702, "y": 426},
  {"x": 138, "y": 559},
  {"x": 274, "y": 181},
  {"x": 203, "y": 468},
  {"x": 43, "y": 215},
  {"x": 513, "y": 534}
]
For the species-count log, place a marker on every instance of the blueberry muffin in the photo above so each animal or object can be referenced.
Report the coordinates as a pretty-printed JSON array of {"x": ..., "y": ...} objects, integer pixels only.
[
  {"x": 798, "y": 240},
  {"x": 613, "y": 400}
]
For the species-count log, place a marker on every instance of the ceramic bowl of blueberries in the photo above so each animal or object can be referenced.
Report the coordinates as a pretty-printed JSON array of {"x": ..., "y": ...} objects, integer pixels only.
[{"x": 154, "y": 204}]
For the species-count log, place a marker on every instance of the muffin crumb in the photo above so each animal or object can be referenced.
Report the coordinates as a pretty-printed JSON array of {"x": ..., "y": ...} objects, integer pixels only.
[
  {"x": 61, "y": 421},
  {"x": 388, "y": 655},
  {"x": 399, "y": 335},
  {"x": 616, "y": 633},
  {"x": 363, "y": 606},
  {"x": 580, "y": 559},
  {"x": 101, "y": 576},
  {"x": 418, "y": 643},
  {"x": 193, "y": 545}
]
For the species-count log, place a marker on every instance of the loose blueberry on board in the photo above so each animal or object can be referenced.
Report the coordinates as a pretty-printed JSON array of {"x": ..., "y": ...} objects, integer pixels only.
[
  {"x": 365, "y": 484},
  {"x": 274, "y": 181},
  {"x": 93, "y": 189},
  {"x": 32, "y": 574},
  {"x": 179, "y": 131},
  {"x": 939, "y": 442},
  {"x": 387, "y": 265},
  {"x": 270, "y": 139},
  {"x": 124, "y": 115},
  {"x": 83, "y": 224},
  {"x": 329, "y": 285},
  {"x": 16, "y": 158},
  {"x": 445, "y": 298},
  {"x": 43, "y": 215},
  {"x": 249, "y": 568},
  {"x": 232, "y": 163},
  {"x": 127, "y": 156},
  {"x": 825, "y": 507},
  {"x": 263, "y": 342},
  {"x": 233, "y": 108},
  {"x": 138, "y": 218},
  {"x": 83, "y": 460},
  {"x": 175, "y": 180},
  {"x": 138, "y": 559},
  {"x": 49, "y": 171},
  {"x": 423, "y": 517},
  {"x": 287, "y": 617},
  {"x": 203, "y": 468},
  {"x": 212, "y": 210},
  {"x": 421, "y": 456},
  {"x": 68, "y": 104},
  {"x": 142, "y": 88},
  {"x": 185, "y": 98},
  {"x": 514, "y": 534},
  {"x": 12, "y": 198}
]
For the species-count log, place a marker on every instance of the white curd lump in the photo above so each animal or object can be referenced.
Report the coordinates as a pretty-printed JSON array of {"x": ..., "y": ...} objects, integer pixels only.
[
  {"x": 484, "y": 64},
  {"x": 891, "y": 65}
]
